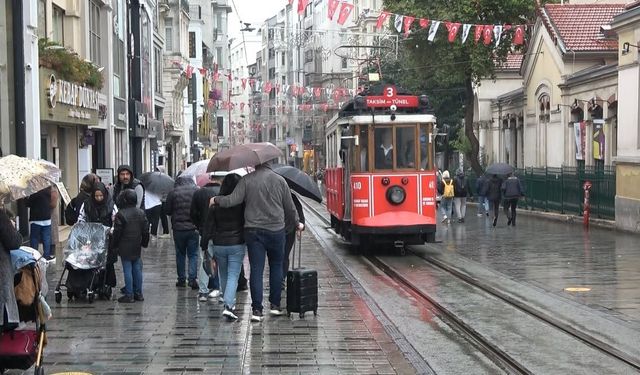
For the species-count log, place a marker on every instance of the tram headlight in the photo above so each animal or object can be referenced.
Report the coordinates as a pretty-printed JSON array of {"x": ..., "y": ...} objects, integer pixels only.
[{"x": 396, "y": 195}]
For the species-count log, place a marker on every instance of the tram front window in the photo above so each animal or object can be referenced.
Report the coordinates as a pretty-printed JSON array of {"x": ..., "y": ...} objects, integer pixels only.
[
  {"x": 384, "y": 148},
  {"x": 406, "y": 141}
]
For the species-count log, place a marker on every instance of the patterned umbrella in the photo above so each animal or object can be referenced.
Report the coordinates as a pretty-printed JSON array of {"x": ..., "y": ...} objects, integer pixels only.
[
  {"x": 20, "y": 177},
  {"x": 246, "y": 155}
]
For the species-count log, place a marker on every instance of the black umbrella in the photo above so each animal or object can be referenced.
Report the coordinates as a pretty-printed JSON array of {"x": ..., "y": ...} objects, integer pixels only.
[
  {"x": 499, "y": 169},
  {"x": 157, "y": 183},
  {"x": 299, "y": 182}
]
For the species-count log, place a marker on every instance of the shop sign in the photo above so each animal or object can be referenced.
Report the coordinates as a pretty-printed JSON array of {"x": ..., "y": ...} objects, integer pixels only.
[{"x": 67, "y": 102}]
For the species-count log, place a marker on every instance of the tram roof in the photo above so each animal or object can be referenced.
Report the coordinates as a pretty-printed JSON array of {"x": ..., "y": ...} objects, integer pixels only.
[{"x": 380, "y": 119}]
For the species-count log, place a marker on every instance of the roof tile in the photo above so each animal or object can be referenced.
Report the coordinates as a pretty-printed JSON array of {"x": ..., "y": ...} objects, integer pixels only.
[{"x": 579, "y": 25}]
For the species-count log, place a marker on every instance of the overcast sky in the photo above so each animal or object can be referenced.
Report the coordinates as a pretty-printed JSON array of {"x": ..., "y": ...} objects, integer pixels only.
[{"x": 254, "y": 11}]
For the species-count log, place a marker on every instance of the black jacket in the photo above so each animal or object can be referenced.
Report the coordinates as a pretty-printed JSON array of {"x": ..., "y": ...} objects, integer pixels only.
[
  {"x": 512, "y": 188},
  {"x": 72, "y": 210},
  {"x": 462, "y": 187},
  {"x": 200, "y": 203},
  {"x": 40, "y": 205},
  {"x": 493, "y": 189},
  {"x": 296, "y": 202},
  {"x": 178, "y": 204},
  {"x": 130, "y": 228},
  {"x": 225, "y": 226}
]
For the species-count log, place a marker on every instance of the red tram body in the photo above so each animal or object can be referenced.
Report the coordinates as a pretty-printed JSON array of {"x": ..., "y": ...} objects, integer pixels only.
[{"x": 379, "y": 176}]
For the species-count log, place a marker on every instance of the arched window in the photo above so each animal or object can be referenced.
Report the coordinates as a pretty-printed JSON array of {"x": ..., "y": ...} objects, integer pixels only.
[{"x": 544, "y": 106}]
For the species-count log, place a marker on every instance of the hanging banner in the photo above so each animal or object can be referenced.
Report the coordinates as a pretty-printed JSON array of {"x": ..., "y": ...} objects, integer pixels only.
[
  {"x": 518, "y": 37},
  {"x": 598, "y": 139},
  {"x": 465, "y": 32},
  {"x": 345, "y": 12},
  {"x": 424, "y": 23},
  {"x": 579, "y": 129},
  {"x": 382, "y": 18},
  {"x": 408, "y": 20},
  {"x": 333, "y": 6},
  {"x": 453, "y": 28},
  {"x": 302, "y": 5},
  {"x": 398, "y": 22},
  {"x": 433, "y": 30}
]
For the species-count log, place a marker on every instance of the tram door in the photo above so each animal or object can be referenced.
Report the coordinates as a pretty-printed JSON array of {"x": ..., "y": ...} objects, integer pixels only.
[{"x": 347, "y": 150}]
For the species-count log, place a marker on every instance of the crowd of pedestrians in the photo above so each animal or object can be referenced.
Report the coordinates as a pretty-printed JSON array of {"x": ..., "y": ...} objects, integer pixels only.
[
  {"x": 213, "y": 228},
  {"x": 490, "y": 192}
]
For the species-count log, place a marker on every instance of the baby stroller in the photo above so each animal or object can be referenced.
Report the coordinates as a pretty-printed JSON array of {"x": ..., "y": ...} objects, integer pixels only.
[
  {"x": 22, "y": 345},
  {"x": 85, "y": 262}
]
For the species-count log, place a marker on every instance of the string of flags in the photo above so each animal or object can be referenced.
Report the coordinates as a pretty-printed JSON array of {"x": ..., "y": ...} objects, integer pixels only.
[{"x": 404, "y": 24}]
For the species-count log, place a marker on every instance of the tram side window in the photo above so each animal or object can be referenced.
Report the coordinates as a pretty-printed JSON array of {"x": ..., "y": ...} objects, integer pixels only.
[
  {"x": 384, "y": 148},
  {"x": 424, "y": 151},
  {"x": 363, "y": 140}
]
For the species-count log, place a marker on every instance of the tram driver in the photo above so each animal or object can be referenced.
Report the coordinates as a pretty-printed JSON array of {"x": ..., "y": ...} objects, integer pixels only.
[{"x": 384, "y": 153}]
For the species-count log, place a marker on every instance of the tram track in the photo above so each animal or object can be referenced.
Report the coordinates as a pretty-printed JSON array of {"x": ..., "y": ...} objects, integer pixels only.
[{"x": 483, "y": 344}]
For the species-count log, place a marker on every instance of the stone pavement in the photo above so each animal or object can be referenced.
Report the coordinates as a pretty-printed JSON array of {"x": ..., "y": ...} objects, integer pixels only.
[
  {"x": 171, "y": 332},
  {"x": 555, "y": 256}
]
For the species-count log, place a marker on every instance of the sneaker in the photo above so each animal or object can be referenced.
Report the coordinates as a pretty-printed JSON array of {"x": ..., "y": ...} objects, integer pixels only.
[
  {"x": 214, "y": 294},
  {"x": 445, "y": 219},
  {"x": 221, "y": 299},
  {"x": 181, "y": 284},
  {"x": 479, "y": 215},
  {"x": 123, "y": 290},
  {"x": 126, "y": 299},
  {"x": 194, "y": 285},
  {"x": 50, "y": 258},
  {"x": 164, "y": 236},
  {"x": 202, "y": 297},
  {"x": 256, "y": 316},
  {"x": 138, "y": 297},
  {"x": 229, "y": 314},
  {"x": 487, "y": 214},
  {"x": 276, "y": 310},
  {"x": 495, "y": 221}
]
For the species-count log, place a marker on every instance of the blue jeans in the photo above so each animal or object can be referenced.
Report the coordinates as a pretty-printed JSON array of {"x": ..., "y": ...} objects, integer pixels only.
[
  {"x": 446, "y": 205},
  {"x": 132, "y": 270},
  {"x": 263, "y": 243},
  {"x": 229, "y": 260},
  {"x": 187, "y": 245},
  {"x": 483, "y": 205},
  {"x": 40, "y": 234}
]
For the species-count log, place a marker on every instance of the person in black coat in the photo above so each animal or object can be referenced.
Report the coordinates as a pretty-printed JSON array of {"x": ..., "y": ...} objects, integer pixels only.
[
  {"x": 41, "y": 204},
  {"x": 10, "y": 239},
  {"x": 291, "y": 236},
  {"x": 225, "y": 228},
  {"x": 87, "y": 187},
  {"x": 512, "y": 190},
  {"x": 130, "y": 235},
  {"x": 494, "y": 195}
]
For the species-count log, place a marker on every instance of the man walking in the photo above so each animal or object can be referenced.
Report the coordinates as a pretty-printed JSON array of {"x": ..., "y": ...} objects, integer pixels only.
[
  {"x": 185, "y": 236},
  {"x": 126, "y": 180},
  {"x": 41, "y": 204},
  {"x": 481, "y": 193},
  {"x": 268, "y": 206},
  {"x": 512, "y": 190},
  {"x": 460, "y": 194}
]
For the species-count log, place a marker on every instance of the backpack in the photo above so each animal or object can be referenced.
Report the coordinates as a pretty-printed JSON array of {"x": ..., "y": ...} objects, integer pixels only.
[
  {"x": 461, "y": 186},
  {"x": 448, "y": 189}
]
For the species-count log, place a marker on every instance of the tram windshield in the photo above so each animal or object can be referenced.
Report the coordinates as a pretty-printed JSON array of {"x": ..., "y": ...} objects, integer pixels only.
[{"x": 399, "y": 147}]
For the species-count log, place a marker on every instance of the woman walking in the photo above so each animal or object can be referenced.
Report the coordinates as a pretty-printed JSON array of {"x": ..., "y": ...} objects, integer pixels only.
[{"x": 225, "y": 228}]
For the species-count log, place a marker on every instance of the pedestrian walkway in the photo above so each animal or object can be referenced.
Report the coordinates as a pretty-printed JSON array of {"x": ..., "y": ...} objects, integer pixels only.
[
  {"x": 171, "y": 332},
  {"x": 556, "y": 257}
]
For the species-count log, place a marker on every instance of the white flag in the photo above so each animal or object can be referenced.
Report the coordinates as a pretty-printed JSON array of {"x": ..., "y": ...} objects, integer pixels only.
[
  {"x": 497, "y": 33},
  {"x": 398, "y": 22},
  {"x": 433, "y": 30},
  {"x": 465, "y": 31}
]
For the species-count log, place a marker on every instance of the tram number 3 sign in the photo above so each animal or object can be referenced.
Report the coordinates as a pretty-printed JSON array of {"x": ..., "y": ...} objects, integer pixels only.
[{"x": 390, "y": 97}]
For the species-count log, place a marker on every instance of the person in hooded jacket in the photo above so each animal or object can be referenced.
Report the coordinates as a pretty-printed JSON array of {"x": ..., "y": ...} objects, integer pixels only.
[
  {"x": 225, "y": 228},
  {"x": 494, "y": 195},
  {"x": 10, "y": 239},
  {"x": 185, "y": 236},
  {"x": 512, "y": 191},
  {"x": 460, "y": 193},
  {"x": 100, "y": 208},
  {"x": 130, "y": 235},
  {"x": 87, "y": 187},
  {"x": 126, "y": 180}
]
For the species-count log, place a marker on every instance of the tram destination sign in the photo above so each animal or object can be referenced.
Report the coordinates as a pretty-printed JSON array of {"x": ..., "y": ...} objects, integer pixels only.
[{"x": 390, "y": 98}]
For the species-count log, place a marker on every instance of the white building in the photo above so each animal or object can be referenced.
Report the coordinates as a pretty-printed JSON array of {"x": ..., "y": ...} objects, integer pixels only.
[{"x": 243, "y": 52}]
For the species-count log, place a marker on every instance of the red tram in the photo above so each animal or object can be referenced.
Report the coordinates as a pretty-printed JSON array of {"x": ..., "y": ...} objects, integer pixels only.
[{"x": 379, "y": 176}]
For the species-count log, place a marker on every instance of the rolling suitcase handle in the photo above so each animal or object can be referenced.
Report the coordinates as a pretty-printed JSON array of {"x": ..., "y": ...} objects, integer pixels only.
[{"x": 299, "y": 240}]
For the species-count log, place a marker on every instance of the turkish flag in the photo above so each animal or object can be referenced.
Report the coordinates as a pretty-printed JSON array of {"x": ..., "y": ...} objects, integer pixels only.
[
  {"x": 216, "y": 75},
  {"x": 203, "y": 71},
  {"x": 424, "y": 23},
  {"x": 333, "y": 6},
  {"x": 487, "y": 32},
  {"x": 252, "y": 82},
  {"x": 345, "y": 12},
  {"x": 268, "y": 86},
  {"x": 408, "y": 21},
  {"x": 382, "y": 18},
  {"x": 189, "y": 71},
  {"x": 302, "y": 5},
  {"x": 244, "y": 83},
  {"x": 518, "y": 35},
  {"x": 453, "y": 28},
  {"x": 317, "y": 92},
  {"x": 478, "y": 33}
]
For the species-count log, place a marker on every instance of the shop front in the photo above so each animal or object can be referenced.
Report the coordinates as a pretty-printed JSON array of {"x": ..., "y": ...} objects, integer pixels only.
[{"x": 67, "y": 112}]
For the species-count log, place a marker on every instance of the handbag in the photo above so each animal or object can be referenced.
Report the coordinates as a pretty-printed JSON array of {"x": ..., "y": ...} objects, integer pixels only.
[{"x": 18, "y": 349}]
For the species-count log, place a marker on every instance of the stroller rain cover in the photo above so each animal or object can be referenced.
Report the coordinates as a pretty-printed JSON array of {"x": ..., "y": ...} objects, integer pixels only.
[{"x": 87, "y": 246}]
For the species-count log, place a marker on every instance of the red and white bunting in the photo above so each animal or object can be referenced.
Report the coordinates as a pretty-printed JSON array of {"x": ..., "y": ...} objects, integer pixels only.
[
  {"x": 453, "y": 28},
  {"x": 487, "y": 33},
  {"x": 478, "y": 33},
  {"x": 382, "y": 19},
  {"x": 302, "y": 5},
  {"x": 465, "y": 32},
  {"x": 333, "y": 6},
  {"x": 398, "y": 22},
  {"x": 345, "y": 12},
  {"x": 408, "y": 21},
  {"x": 433, "y": 30},
  {"x": 497, "y": 34},
  {"x": 244, "y": 83},
  {"x": 518, "y": 35},
  {"x": 424, "y": 23}
]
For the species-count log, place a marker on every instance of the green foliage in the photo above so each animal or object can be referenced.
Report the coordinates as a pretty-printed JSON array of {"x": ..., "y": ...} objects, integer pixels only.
[
  {"x": 68, "y": 64},
  {"x": 461, "y": 143}
]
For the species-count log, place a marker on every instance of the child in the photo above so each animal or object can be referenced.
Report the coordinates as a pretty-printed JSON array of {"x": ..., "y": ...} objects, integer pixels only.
[{"x": 130, "y": 234}]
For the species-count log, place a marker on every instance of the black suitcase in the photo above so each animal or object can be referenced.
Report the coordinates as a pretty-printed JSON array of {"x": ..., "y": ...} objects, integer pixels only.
[{"x": 302, "y": 287}]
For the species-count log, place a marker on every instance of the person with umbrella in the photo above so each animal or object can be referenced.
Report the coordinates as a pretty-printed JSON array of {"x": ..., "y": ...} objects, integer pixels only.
[
  {"x": 156, "y": 185},
  {"x": 126, "y": 180},
  {"x": 512, "y": 190},
  {"x": 494, "y": 195},
  {"x": 268, "y": 206}
]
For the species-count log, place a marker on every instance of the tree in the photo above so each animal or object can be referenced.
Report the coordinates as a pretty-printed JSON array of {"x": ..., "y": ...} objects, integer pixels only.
[{"x": 457, "y": 65}]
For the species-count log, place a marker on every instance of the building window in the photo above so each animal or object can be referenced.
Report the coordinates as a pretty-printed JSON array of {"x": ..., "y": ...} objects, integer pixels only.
[
  {"x": 168, "y": 35},
  {"x": 157, "y": 62},
  {"x": 42, "y": 19},
  {"x": 57, "y": 27},
  {"x": 94, "y": 32},
  {"x": 283, "y": 59},
  {"x": 192, "y": 45},
  {"x": 344, "y": 63},
  {"x": 219, "y": 57}
]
